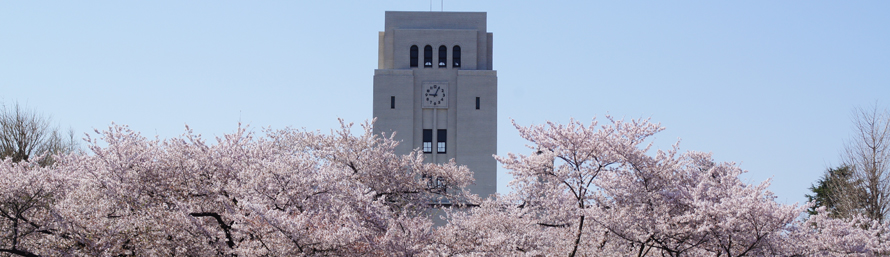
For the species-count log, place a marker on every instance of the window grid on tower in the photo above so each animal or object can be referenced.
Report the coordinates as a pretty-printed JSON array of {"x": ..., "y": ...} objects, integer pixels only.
[
  {"x": 440, "y": 140},
  {"x": 427, "y": 140}
]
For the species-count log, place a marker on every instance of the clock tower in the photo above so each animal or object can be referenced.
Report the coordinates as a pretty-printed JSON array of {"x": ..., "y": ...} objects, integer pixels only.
[{"x": 435, "y": 88}]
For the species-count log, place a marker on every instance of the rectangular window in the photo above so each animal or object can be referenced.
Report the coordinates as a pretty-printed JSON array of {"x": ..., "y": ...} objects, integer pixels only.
[
  {"x": 427, "y": 140},
  {"x": 477, "y": 103},
  {"x": 437, "y": 184},
  {"x": 440, "y": 139},
  {"x": 392, "y": 102}
]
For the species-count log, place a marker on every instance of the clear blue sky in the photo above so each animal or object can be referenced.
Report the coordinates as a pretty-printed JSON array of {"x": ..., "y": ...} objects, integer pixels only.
[{"x": 767, "y": 84}]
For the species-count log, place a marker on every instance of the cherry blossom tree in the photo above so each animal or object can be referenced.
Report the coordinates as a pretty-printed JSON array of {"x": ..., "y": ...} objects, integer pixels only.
[
  {"x": 595, "y": 190},
  {"x": 28, "y": 195},
  {"x": 584, "y": 190},
  {"x": 291, "y": 192},
  {"x": 822, "y": 235}
]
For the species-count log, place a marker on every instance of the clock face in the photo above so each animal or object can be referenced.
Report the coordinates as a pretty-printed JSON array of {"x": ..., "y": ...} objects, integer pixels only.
[{"x": 434, "y": 95}]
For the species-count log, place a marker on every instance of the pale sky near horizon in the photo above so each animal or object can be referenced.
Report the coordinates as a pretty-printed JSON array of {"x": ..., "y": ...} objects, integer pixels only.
[{"x": 769, "y": 85}]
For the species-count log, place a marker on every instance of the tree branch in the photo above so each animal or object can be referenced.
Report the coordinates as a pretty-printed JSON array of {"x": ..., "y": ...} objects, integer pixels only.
[
  {"x": 19, "y": 252},
  {"x": 226, "y": 228}
]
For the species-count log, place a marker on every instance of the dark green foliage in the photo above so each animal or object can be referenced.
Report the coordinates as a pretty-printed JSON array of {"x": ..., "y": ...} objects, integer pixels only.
[{"x": 838, "y": 191}]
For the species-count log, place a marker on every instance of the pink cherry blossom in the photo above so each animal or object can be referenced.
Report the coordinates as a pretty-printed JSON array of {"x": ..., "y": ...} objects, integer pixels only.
[
  {"x": 583, "y": 190},
  {"x": 589, "y": 190}
]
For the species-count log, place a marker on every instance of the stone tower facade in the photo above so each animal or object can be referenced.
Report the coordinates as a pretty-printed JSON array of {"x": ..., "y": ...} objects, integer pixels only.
[{"x": 435, "y": 88}]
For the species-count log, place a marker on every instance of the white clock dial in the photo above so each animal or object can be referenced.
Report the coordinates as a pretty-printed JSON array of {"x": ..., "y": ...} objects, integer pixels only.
[{"x": 434, "y": 95}]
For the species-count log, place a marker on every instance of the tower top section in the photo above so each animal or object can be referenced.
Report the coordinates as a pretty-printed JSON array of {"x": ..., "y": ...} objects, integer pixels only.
[
  {"x": 456, "y": 40},
  {"x": 436, "y": 20}
]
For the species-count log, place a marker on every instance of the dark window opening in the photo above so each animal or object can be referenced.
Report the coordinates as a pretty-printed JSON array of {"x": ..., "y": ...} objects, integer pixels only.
[
  {"x": 427, "y": 56},
  {"x": 427, "y": 140},
  {"x": 413, "y": 56},
  {"x": 440, "y": 140},
  {"x": 443, "y": 56},
  {"x": 477, "y": 103},
  {"x": 455, "y": 55},
  {"x": 392, "y": 102},
  {"x": 436, "y": 184}
]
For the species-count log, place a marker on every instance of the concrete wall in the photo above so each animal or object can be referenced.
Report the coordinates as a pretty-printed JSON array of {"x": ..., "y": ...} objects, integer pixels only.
[
  {"x": 477, "y": 129},
  {"x": 398, "y": 84}
]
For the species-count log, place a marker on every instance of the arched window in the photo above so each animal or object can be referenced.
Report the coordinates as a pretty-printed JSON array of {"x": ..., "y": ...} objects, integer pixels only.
[
  {"x": 455, "y": 55},
  {"x": 443, "y": 56},
  {"x": 413, "y": 56},
  {"x": 428, "y": 56}
]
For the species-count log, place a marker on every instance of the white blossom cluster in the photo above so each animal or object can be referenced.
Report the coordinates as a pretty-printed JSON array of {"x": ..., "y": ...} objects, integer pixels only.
[{"x": 583, "y": 191}]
